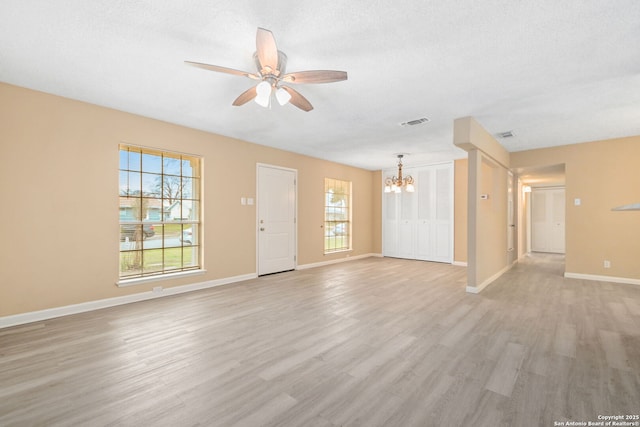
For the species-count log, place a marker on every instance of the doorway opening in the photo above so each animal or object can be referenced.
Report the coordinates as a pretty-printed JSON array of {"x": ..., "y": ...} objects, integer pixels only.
[{"x": 541, "y": 208}]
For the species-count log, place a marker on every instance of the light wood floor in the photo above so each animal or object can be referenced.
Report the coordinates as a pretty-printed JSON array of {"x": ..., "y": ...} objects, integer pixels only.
[{"x": 370, "y": 342}]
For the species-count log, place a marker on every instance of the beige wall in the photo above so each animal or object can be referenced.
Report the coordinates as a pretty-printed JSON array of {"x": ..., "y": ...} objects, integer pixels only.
[
  {"x": 460, "y": 210},
  {"x": 487, "y": 229},
  {"x": 487, "y": 218},
  {"x": 603, "y": 174},
  {"x": 376, "y": 210},
  {"x": 491, "y": 232},
  {"x": 59, "y": 185}
]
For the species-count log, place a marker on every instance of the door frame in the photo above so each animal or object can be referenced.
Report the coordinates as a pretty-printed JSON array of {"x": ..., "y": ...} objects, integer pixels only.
[{"x": 257, "y": 223}]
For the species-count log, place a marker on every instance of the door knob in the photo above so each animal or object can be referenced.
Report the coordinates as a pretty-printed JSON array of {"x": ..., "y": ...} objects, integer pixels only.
[{"x": 261, "y": 228}]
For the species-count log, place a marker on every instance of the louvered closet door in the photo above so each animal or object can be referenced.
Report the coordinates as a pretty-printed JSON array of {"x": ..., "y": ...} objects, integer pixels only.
[
  {"x": 420, "y": 225},
  {"x": 426, "y": 211},
  {"x": 407, "y": 226},
  {"x": 390, "y": 224},
  {"x": 443, "y": 242},
  {"x": 435, "y": 214}
]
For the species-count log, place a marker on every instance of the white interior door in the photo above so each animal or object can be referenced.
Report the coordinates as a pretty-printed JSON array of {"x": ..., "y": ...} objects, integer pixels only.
[
  {"x": 547, "y": 220},
  {"x": 276, "y": 203}
]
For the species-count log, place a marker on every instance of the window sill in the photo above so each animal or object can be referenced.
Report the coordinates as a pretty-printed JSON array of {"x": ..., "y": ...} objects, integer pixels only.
[
  {"x": 140, "y": 280},
  {"x": 338, "y": 252}
]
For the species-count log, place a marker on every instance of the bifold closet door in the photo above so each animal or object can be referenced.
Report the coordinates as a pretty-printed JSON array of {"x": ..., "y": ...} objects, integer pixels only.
[
  {"x": 389, "y": 224},
  {"x": 435, "y": 214},
  {"x": 419, "y": 225}
]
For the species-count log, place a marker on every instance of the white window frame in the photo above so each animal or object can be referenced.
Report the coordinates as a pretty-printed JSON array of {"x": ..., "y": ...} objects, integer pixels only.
[
  {"x": 330, "y": 225},
  {"x": 168, "y": 244}
]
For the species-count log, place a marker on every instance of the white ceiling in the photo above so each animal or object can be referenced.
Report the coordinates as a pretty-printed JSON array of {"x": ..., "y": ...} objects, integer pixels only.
[{"x": 553, "y": 71}]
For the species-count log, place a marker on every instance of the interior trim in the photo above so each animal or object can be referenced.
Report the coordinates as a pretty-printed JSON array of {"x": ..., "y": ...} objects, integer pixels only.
[
  {"x": 50, "y": 313},
  {"x": 614, "y": 279}
]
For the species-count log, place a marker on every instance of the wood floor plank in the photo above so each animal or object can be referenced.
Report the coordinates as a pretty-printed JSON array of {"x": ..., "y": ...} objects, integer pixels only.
[
  {"x": 565, "y": 340},
  {"x": 384, "y": 354},
  {"x": 632, "y": 305},
  {"x": 266, "y": 412},
  {"x": 506, "y": 372},
  {"x": 377, "y": 341},
  {"x": 614, "y": 350}
]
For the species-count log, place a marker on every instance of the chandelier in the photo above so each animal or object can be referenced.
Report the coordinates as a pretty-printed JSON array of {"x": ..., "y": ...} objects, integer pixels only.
[{"x": 395, "y": 184}]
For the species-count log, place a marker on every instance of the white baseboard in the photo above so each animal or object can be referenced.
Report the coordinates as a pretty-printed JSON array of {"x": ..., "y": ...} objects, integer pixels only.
[
  {"x": 50, "y": 313},
  {"x": 459, "y": 263},
  {"x": 481, "y": 286},
  {"x": 614, "y": 279},
  {"x": 336, "y": 261}
]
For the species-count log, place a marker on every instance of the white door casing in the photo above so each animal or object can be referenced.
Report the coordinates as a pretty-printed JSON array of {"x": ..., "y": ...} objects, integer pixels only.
[{"x": 276, "y": 219}]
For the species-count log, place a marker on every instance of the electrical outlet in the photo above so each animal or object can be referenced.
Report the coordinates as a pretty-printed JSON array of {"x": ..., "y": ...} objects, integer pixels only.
[{"x": 607, "y": 264}]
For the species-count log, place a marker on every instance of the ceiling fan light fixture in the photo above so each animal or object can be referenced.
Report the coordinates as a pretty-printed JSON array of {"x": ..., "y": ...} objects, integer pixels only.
[
  {"x": 271, "y": 64},
  {"x": 263, "y": 90},
  {"x": 282, "y": 96}
]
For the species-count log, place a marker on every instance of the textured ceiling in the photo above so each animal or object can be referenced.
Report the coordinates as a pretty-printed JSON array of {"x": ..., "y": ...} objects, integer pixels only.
[{"x": 554, "y": 72}]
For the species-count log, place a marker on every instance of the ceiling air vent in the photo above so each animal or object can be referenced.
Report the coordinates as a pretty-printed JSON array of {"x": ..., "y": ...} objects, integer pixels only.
[
  {"x": 415, "y": 122},
  {"x": 507, "y": 134}
]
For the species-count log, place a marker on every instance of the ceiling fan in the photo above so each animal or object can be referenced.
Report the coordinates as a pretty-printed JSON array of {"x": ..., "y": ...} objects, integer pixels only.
[{"x": 271, "y": 64}]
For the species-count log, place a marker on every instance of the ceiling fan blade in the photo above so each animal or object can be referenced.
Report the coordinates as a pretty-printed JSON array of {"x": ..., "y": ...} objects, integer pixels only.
[
  {"x": 266, "y": 50},
  {"x": 298, "y": 100},
  {"x": 246, "y": 96},
  {"x": 222, "y": 69},
  {"x": 315, "y": 76}
]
